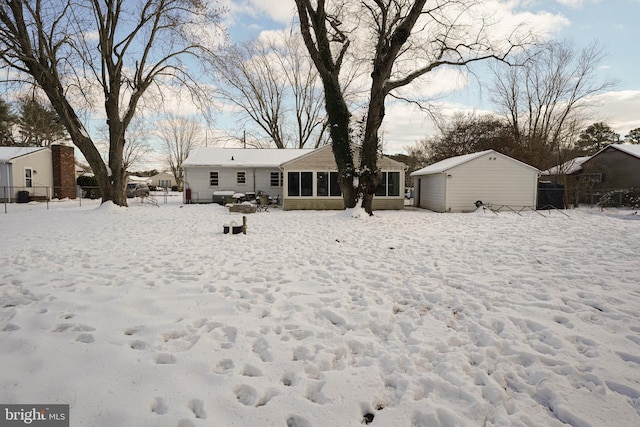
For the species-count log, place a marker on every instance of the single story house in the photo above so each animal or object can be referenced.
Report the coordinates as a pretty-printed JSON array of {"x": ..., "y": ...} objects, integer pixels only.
[
  {"x": 209, "y": 170},
  {"x": 615, "y": 167},
  {"x": 163, "y": 180},
  {"x": 299, "y": 178},
  {"x": 457, "y": 183},
  {"x": 37, "y": 173},
  {"x": 311, "y": 182}
]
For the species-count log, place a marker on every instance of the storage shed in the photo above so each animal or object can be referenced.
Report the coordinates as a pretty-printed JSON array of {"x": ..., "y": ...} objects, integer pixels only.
[{"x": 457, "y": 183}]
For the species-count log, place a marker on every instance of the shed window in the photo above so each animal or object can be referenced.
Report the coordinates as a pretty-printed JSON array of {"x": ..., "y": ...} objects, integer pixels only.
[
  {"x": 213, "y": 179},
  {"x": 300, "y": 183},
  {"x": 28, "y": 177}
]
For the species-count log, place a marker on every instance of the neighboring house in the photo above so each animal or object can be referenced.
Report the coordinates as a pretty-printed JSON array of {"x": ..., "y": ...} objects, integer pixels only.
[
  {"x": 37, "y": 173},
  {"x": 457, "y": 183},
  {"x": 163, "y": 180},
  {"x": 311, "y": 182},
  {"x": 299, "y": 178},
  {"x": 210, "y": 170},
  {"x": 615, "y": 167},
  {"x": 139, "y": 179}
]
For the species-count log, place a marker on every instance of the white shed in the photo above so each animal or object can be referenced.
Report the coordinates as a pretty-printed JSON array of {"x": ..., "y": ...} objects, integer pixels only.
[{"x": 457, "y": 183}]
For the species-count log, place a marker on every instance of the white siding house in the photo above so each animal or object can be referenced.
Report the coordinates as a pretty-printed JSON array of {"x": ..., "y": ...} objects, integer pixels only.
[
  {"x": 456, "y": 184},
  {"x": 25, "y": 169},
  {"x": 239, "y": 170}
]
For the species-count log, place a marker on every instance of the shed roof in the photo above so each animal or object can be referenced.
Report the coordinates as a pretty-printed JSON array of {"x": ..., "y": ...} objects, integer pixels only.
[
  {"x": 452, "y": 162},
  {"x": 242, "y": 157},
  {"x": 9, "y": 153}
]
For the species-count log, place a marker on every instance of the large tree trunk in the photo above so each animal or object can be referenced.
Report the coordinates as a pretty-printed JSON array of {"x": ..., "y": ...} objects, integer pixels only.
[{"x": 338, "y": 116}]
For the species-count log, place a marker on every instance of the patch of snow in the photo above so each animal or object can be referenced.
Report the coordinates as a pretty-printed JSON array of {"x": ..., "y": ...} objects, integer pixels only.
[{"x": 155, "y": 317}]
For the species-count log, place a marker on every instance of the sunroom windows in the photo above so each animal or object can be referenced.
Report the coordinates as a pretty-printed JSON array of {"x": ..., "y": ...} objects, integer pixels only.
[
  {"x": 325, "y": 184},
  {"x": 390, "y": 185}
]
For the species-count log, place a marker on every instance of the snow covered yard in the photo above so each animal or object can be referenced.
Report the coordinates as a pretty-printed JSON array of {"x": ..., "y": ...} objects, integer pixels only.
[{"x": 151, "y": 316}]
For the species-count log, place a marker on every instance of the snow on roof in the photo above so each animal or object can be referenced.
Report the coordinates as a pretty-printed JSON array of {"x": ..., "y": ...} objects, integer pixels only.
[
  {"x": 568, "y": 167},
  {"x": 449, "y": 163},
  {"x": 242, "y": 157},
  {"x": 633, "y": 149},
  {"x": 575, "y": 165},
  {"x": 9, "y": 153}
]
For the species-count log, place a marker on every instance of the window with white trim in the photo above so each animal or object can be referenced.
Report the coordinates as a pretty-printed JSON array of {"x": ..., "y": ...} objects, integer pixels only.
[
  {"x": 300, "y": 184},
  {"x": 241, "y": 177},
  {"x": 390, "y": 185},
  {"x": 327, "y": 184},
  {"x": 213, "y": 179},
  {"x": 28, "y": 177},
  {"x": 276, "y": 179}
]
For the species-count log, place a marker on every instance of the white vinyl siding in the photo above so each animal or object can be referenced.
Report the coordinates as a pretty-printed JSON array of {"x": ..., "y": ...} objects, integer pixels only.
[
  {"x": 198, "y": 179},
  {"x": 432, "y": 192},
  {"x": 492, "y": 179}
]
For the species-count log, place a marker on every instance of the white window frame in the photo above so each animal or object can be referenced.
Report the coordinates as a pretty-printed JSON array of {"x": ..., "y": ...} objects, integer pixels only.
[
  {"x": 217, "y": 179},
  {"x": 280, "y": 179},
  {"x": 242, "y": 181},
  {"x": 28, "y": 180}
]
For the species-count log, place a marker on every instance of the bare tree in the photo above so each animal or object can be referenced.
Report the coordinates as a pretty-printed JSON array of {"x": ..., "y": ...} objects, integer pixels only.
[
  {"x": 403, "y": 40},
  {"x": 273, "y": 84},
  {"x": 120, "y": 47},
  {"x": 546, "y": 97},
  {"x": 466, "y": 133},
  {"x": 179, "y": 136}
]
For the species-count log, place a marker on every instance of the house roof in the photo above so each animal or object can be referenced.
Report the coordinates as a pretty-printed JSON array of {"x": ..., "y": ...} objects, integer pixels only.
[
  {"x": 568, "y": 167},
  {"x": 242, "y": 157},
  {"x": 9, "y": 153},
  {"x": 632, "y": 149},
  {"x": 575, "y": 165},
  {"x": 452, "y": 162}
]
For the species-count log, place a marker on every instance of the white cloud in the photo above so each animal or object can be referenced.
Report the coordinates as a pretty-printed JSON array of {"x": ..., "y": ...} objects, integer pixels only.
[
  {"x": 278, "y": 10},
  {"x": 571, "y": 3},
  {"x": 619, "y": 109}
]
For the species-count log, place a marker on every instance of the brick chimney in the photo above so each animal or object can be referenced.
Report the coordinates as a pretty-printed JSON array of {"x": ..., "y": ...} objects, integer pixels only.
[{"x": 64, "y": 172}]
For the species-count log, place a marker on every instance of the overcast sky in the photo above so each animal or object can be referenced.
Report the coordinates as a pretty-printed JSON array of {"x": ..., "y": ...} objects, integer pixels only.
[{"x": 612, "y": 23}]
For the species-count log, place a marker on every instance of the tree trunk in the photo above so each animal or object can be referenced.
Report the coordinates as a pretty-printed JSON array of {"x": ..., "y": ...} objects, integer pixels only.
[{"x": 338, "y": 116}]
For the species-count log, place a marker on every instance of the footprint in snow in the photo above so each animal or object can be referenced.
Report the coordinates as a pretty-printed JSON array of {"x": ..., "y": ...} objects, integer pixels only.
[
  {"x": 197, "y": 407},
  {"x": 563, "y": 321},
  {"x": 164, "y": 359},
  {"x": 297, "y": 421},
  {"x": 158, "y": 406},
  {"x": 137, "y": 345},
  {"x": 85, "y": 338},
  {"x": 224, "y": 366},
  {"x": 10, "y": 327}
]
